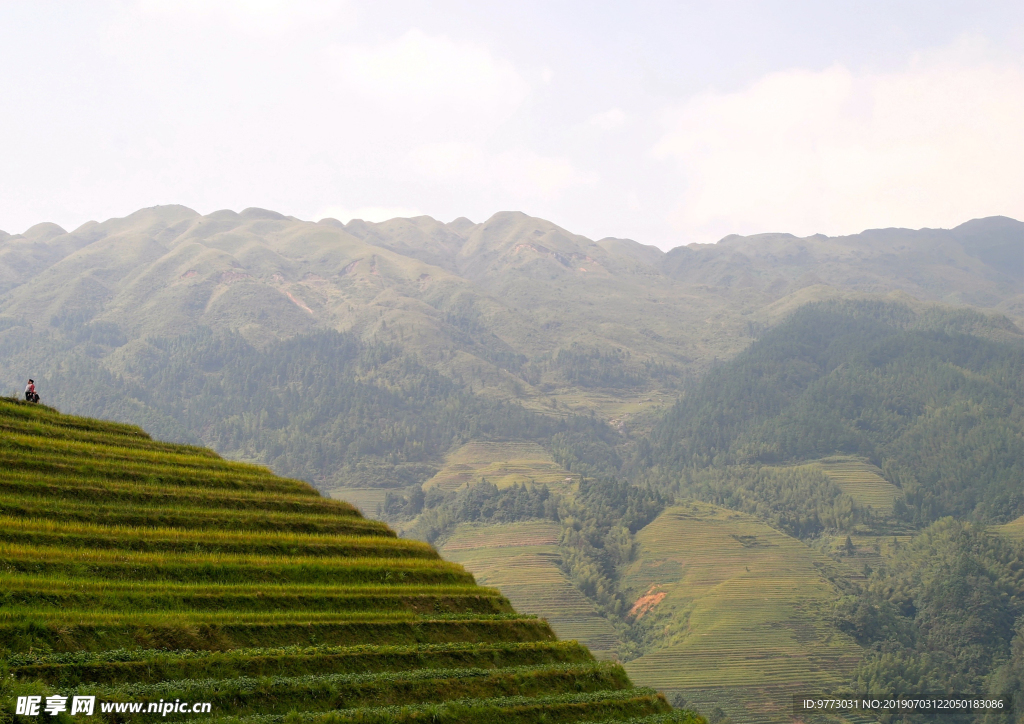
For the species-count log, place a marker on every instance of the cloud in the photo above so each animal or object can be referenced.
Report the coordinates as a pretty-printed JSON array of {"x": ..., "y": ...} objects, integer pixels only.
[
  {"x": 836, "y": 151},
  {"x": 525, "y": 172},
  {"x": 258, "y": 18},
  {"x": 416, "y": 67},
  {"x": 608, "y": 120},
  {"x": 519, "y": 171},
  {"x": 448, "y": 160}
]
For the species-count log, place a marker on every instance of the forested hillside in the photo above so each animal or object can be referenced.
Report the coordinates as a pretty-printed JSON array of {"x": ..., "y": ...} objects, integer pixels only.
[
  {"x": 324, "y": 406},
  {"x": 943, "y": 618},
  {"x": 939, "y": 409}
]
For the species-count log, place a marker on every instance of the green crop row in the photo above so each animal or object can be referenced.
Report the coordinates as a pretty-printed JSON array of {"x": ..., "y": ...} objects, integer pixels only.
[
  {"x": 469, "y": 600},
  {"x": 98, "y": 465},
  {"x": 168, "y": 540},
  {"x": 64, "y": 432},
  {"x": 61, "y": 584},
  {"x": 12, "y": 407},
  {"x": 14, "y": 551},
  {"x": 345, "y": 522},
  {"x": 170, "y": 456},
  {"x": 108, "y": 619},
  {"x": 673, "y": 717},
  {"x": 128, "y": 666},
  {"x": 83, "y": 658},
  {"x": 598, "y": 706},
  {"x": 248, "y": 695},
  {"x": 78, "y": 631},
  {"x": 99, "y": 489},
  {"x": 218, "y": 568}
]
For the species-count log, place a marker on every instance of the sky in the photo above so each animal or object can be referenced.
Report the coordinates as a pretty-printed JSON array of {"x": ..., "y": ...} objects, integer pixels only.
[{"x": 665, "y": 122}]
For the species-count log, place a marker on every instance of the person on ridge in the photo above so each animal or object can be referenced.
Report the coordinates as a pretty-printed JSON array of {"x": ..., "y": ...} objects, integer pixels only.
[{"x": 30, "y": 392}]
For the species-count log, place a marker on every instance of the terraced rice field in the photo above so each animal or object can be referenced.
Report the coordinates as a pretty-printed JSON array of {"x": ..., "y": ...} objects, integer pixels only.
[
  {"x": 742, "y": 613},
  {"x": 365, "y": 499},
  {"x": 522, "y": 560},
  {"x": 1013, "y": 529},
  {"x": 139, "y": 572},
  {"x": 501, "y": 463},
  {"x": 868, "y": 550},
  {"x": 862, "y": 481}
]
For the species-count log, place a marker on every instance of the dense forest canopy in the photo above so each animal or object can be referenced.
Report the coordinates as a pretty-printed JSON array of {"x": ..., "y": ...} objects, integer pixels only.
[
  {"x": 938, "y": 408},
  {"x": 944, "y": 618}
]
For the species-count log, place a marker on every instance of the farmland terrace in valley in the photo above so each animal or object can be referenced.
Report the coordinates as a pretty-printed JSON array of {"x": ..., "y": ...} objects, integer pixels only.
[{"x": 138, "y": 571}]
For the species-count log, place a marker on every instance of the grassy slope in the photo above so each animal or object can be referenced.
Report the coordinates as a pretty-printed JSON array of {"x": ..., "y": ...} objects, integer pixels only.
[
  {"x": 260, "y": 619},
  {"x": 501, "y": 463},
  {"x": 862, "y": 481},
  {"x": 1013, "y": 529},
  {"x": 522, "y": 560},
  {"x": 738, "y": 613},
  {"x": 744, "y": 621}
]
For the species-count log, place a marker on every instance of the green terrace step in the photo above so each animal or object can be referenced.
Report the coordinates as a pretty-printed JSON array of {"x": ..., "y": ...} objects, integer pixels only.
[
  {"x": 344, "y": 521},
  {"x": 605, "y": 706},
  {"x": 36, "y": 593},
  {"x": 139, "y": 571},
  {"x": 673, "y": 717},
  {"x": 15, "y": 409},
  {"x": 94, "y": 464},
  {"x": 55, "y": 447},
  {"x": 99, "y": 489},
  {"x": 171, "y": 540},
  {"x": 147, "y": 665},
  {"x": 223, "y": 568},
  {"x": 26, "y": 426},
  {"x": 324, "y": 692},
  {"x": 95, "y": 631}
]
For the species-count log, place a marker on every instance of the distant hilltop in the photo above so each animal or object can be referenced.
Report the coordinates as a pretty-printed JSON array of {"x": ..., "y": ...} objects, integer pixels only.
[{"x": 166, "y": 266}]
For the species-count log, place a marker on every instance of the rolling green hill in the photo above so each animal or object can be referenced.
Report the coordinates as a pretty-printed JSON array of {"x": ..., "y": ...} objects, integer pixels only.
[
  {"x": 523, "y": 561},
  {"x": 1013, "y": 529},
  {"x": 731, "y": 612},
  {"x": 501, "y": 463},
  {"x": 139, "y": 571}
]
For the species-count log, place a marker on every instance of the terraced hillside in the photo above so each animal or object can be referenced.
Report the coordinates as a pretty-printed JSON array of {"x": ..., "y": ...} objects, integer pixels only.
[
  {"x": 862, "y": 481},
  {"x": 869, "y": 546},
  {"x": 1013, "y": 529},
  {"x": 137, "y": 571},
  {"x": 737, "y": 614},
  {"x": 501, "y": 463},
  {"x": 522, "y": 560}
]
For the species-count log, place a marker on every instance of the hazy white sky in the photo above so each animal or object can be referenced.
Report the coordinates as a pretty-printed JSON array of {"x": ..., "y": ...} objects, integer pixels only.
[{"x": 666, "y": 122}]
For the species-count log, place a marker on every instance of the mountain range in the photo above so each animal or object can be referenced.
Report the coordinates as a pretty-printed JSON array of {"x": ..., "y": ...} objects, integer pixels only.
[{"x": 477, "y": 299}]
